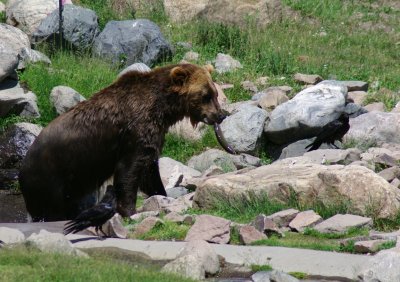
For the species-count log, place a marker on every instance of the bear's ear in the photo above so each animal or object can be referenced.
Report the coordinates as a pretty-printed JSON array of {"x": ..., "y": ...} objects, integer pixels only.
[
  {"x": 179, "y": 75},
  {"x": 209, "y": 68}
]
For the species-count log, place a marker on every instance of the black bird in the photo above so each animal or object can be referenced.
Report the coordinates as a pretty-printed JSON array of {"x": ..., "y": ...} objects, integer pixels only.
[
  {"x": 335, "y": 130},
  {"x": 95, "y": 216}
]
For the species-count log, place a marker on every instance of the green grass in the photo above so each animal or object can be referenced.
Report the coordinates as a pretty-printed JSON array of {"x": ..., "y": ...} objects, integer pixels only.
[
  {"x": 299, "y": 275},
  {"x": 182, "y": 150},
  {"x": 346, "y": 52},
  {"x": 256, "y": 267},
  {"x": 84, "y": 73},
  {"x": 106, "y": 11},
  {"x": 3, "y": 17},
  {"x": 167, "y": 231},
  {"x": 20, "y": 264},
  {"x": 298, "y": 240},
  {"x": 351, "y": 232}
]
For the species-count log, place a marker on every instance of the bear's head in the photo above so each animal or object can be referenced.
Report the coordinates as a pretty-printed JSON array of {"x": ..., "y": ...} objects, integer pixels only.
[{"x": 195, "y": 85}]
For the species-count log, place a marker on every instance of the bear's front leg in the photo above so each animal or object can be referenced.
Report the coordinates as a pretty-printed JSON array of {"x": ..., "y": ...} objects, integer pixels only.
[{"x": 137, "y": 172}]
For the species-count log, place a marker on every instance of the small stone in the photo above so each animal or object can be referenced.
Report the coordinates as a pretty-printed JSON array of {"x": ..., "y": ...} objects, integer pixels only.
[
  {"x": 305, "y": 219},
  {"x": 272, "y": 99},
  {"x": 174, "y": 217},
  {"x": 390, "y": 173},
  {"x": 355, "y": 85},
  {"x": 146, "y": 225},
  {"x": 156, "y": 203},
  {"x": 378, "y": 106},
  {"x": 63, "y": 98},
  {"x": 115, "y": 228},
  {"x": 176, "y": 192},
  {"x": 142, "y": 215},
  {"x": 266, "y": 225},
  {"x": 395, "y": 182},
  {"x": 225, "y": 63},
  {"x": 307, "y": 78},
  {"x": 248, "y": 85},
  {"x": 188, "y": 219},
  {"x": 211, "y": 229},
  {"x": 191, "y": 56},
  {"x": 262, "y": 81},
  {"x": 273, "y": 276},
  {"x": 283, "y": 218},
  {"x": 227, "y": 86},
  {"x": 249, "y": 234},
  {"x": 357, "y": 97},
  {"x": 213, "y": 170},
  {"x": 371, "y": 246}
]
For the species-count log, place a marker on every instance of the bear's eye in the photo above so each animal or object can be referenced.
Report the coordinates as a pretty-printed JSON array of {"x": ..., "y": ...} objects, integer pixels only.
[{"x": 207, "y": 98}]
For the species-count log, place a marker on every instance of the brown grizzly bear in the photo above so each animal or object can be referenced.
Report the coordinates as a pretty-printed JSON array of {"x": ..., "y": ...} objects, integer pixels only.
[{"x": 120, "y": 131}]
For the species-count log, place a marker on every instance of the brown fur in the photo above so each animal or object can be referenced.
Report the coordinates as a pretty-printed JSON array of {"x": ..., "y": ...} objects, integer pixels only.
[{"x": 119, "y": 131}]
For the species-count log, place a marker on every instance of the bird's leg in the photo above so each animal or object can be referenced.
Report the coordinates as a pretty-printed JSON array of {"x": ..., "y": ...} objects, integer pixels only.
[
  {"x": 97, "y": 233},
  {"x": 334, "y": 145},
  {"x": 101, "y": 229}
]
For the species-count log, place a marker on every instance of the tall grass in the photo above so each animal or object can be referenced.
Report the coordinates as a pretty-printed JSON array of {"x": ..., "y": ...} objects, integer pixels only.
[
  {"x": 244, "y": 208},
  {"x": 84, "y": 73}
]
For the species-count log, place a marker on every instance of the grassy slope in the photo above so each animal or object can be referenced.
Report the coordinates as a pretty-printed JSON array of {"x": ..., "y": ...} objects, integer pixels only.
[{"x": 21, "y": 264}]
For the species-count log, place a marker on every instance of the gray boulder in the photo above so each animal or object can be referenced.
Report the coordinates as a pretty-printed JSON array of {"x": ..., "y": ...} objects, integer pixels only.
[
  {"x": 12, "y": 40},
  {"x": 27, "y": 14},
  {"x": 170, "y": 168},
  {"x": 11, "y": 235},
  {"x": 354, "y": 110},
  {"x": 225, "y": 63},
  {"x": 132, "y": 41},
  {"x": 303, "y": 116},
  {"x": 27, "y": 56},
  {"x": 63, "y": 98},
  {"x": 196, "y": 260},
  {"x": 8, "y": 61},
  {"x": 243, "y": 130},
  {"x": 374, "y": 127},
  {"x": 223, "y": 160},
  {"x": 140, "y": 67},
  {"x": 14, "y": 100},
  {"x": 80, "y": 27},
  {"x": 212, "y": 157},
  {"x": 382, "y": 267},
  {"x": 53, "y": 243},
  {"x": 273, "y": 276},
  {"x": 14, "y": 144}
]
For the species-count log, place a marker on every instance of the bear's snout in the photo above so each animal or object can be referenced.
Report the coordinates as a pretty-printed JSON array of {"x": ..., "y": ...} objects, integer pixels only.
[{"x": 220, "y": 117}]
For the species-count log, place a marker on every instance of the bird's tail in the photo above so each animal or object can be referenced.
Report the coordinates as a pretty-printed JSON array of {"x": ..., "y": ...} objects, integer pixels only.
[
  {"x": 313, "y": 146},
  {"x": 73, "y": 226}
]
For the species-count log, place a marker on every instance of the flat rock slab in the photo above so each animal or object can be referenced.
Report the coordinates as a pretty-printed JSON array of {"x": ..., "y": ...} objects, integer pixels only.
[
  {"x": 342, "y": 222},
  {"x": 279, "y": 258},
  {"x": 35, "y": 227}
]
